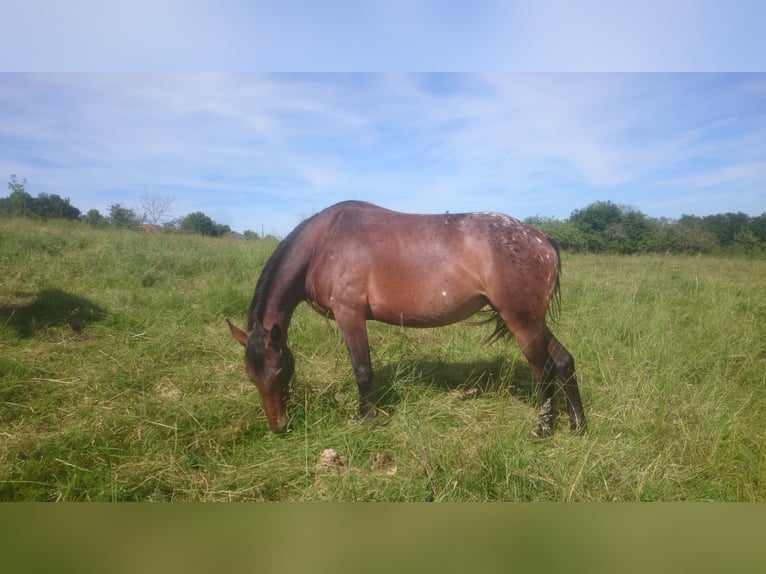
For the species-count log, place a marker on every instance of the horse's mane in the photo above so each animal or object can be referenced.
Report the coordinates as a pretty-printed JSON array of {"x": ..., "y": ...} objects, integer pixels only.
[{"x": 266, "y": 279}]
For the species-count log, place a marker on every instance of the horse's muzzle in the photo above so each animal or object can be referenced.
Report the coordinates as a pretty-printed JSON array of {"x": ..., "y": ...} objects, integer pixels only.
[{"x": 279, "y": 426}]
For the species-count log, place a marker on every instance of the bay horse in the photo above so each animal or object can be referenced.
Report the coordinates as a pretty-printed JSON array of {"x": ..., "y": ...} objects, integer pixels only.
[{"x": 355, "y": 262}]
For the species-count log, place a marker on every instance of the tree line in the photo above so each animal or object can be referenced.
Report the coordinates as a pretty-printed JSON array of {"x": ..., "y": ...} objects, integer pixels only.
[
  {"x": 156, "y": 209},
  {"x": 601, "y": 227},
  {"x": 605, "y": 227}
]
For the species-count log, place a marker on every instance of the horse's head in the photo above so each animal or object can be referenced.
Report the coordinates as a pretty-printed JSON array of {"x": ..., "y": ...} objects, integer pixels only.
[{"x": 270, "y": 365}]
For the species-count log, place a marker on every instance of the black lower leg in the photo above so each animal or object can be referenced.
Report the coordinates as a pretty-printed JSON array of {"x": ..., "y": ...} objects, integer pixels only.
[
  {"x": 547, "y": 412},
  {"x": 565, "y": 370},
  {"x": 364, "y": 382},
  {"x": 355, "y": 335},
  {"x": 574, "y": 402}
]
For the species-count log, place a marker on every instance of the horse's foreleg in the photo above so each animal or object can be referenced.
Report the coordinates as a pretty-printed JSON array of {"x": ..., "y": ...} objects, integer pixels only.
[
  {"x": 355, "y": 337},
  {"x": 565, "y": 370}
]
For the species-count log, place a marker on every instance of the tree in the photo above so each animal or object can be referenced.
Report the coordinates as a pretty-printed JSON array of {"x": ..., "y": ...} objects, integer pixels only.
[
  {"x": 15, "y": 185},
  {"x": 53, "y": 205},
  {"x": 726, "y": 226},
  {"x": 221, "y": 229},
  {"x": 746, "y": 242},
  {"x": 597, "y": 217},
  {"x": 565, "y": 233},
  {"x": 122, "y": 216},
  {"x": 758, "y": 227},
  {"x": 198, "y": 222},
  {"x": 94, "y": 217},
  {"x": 634, "y": 231},
  {"x": 19, "y": 201},
  {"x": 690, "y": 236},
  {"x": 661, "y": 238},
  {"x": 156, "y": 208},
  {"x": 600, "y": 224}
]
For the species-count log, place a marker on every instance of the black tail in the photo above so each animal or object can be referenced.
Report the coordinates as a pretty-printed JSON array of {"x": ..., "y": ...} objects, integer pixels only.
[
  {"x": 554, "y": 306},
  {"x": 501, "y": 329}
]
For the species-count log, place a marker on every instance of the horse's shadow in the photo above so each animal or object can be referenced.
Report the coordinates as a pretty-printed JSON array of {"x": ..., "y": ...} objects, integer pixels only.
[
  {"x": 49, "y": 308},
  {"x": 469, "y": 379}
]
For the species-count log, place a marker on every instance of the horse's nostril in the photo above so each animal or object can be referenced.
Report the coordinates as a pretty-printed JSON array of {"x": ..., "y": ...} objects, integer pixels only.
[{"x": 280, "y": 426}]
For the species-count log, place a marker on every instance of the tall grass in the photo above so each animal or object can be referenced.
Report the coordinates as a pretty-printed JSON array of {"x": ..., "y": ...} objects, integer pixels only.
[{"x": 119, "y": 381}]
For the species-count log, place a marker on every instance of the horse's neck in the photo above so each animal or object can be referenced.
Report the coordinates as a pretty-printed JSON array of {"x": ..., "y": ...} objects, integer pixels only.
[{"x": 287, "y": 290}]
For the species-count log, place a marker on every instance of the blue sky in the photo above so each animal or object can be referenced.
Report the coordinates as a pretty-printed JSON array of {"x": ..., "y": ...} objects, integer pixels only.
[
  {"x": 254, "y": 150},
  {"x": 382, "y": 35},
  {"x": 102, "y": 101}
]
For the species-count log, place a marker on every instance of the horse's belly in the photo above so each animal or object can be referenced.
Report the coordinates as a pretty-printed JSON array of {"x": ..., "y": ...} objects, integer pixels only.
[{"x": 425, "y": 310}]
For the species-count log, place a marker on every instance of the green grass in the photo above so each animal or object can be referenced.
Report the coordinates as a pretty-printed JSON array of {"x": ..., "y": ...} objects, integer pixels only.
[{"x": 119, "y": 381}]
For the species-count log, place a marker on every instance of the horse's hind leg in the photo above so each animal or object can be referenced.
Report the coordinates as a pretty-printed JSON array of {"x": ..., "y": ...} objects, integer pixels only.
[
  {"x": 565, "y": 371},
  {"x": 550, "y": 360},
  {"x": 534, "y": 345},
  {"x": 546, "y": 390}
]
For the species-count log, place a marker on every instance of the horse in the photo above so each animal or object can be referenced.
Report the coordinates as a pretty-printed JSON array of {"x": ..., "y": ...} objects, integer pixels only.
[{"x": 355, "y": 262}]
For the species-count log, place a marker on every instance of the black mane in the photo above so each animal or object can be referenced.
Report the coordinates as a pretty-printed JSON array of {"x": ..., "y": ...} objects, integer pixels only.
[{"x": 266, "y": 279}]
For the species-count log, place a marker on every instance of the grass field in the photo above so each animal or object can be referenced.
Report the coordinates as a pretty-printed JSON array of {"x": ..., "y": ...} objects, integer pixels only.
[{"x": 119, "y": 381}]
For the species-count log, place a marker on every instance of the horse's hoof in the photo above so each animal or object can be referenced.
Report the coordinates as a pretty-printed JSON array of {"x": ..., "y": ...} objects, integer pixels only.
[
  {"x": 543, "y": 431},
  {"x": 579, "y": 430},
  {"x": 373, "y": 414},
  {"x": 370, "y": 415}
]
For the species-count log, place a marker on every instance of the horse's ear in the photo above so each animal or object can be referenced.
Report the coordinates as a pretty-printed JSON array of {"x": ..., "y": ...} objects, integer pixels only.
[{"x": 238, "y": 334}]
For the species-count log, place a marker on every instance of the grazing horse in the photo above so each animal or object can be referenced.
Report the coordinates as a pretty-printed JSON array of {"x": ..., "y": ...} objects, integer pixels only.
[{"x": 355, "y": 261}]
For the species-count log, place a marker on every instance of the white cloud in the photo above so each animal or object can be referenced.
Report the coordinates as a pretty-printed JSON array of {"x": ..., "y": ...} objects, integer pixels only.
[{"x": 264, "y": 148}]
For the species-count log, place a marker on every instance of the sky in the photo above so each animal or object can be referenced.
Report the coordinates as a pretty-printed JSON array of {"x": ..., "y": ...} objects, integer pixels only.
[
  {"x": 313, "y": 103},
  {"x": 262, "y": 151}
]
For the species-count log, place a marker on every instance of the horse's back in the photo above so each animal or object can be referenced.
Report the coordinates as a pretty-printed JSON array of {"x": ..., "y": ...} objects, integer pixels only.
[
  {"x": 424, "y": 241},
  {"x": 424, "y": 270}
]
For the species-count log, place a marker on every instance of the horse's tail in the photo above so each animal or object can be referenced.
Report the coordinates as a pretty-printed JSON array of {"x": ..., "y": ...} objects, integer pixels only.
[
  {"x": 554, "y": 305},
  {"x": 501, "y": 329}
]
